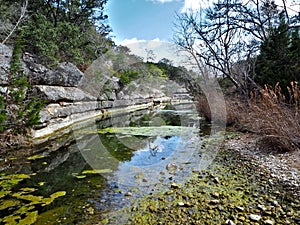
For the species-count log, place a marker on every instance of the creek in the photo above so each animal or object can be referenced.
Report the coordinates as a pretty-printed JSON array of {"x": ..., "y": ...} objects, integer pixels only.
[
  {"x": 162, "y": 165},
  {"x": 103, "y": 166}
]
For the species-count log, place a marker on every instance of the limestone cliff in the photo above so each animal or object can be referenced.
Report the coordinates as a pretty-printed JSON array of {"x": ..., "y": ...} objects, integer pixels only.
[{"x": 72, "y": 96}]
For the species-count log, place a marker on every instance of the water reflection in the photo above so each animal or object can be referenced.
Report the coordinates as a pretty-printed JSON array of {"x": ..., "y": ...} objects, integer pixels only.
[{"x": 136, "y": 161}]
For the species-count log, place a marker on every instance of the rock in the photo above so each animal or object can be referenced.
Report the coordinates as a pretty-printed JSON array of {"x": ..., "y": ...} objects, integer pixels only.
[
  {"x": 180, "y": 204},
  {"x": 65, "y": 75},
  {"x": 216, "y": 180},
  {"x": 57, "y": 93},
  {"x": 63, "y": 109},
  {"x": 230, "y": 222},
  {"x": 171, "y": 167},
  {"x": 241, "y": 209},
  {"x": 254, "y": 217},
  {"x": 174, "y": 185},
  {"x": 269, "y": 222},
  {"x": 275, "y": 203},
  {"x": 215, "y": 194},
  {"x": 128, "y": 194},
  {"x": 5, "y": 59},
  {"x": 215, "y": 201},
  {"x": 261, "y": 207}
]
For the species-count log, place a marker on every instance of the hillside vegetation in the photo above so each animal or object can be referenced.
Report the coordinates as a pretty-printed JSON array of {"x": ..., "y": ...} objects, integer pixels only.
[{"x": 252, "y": 49}]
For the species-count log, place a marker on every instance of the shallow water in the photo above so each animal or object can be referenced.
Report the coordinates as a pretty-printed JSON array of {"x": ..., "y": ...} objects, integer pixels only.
[{"x": 104, "y": 166}]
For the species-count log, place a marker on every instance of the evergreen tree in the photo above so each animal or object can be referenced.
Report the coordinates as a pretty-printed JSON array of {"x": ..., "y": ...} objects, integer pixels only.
[
  {"x": 61, "y": 30},
  {"x": 278, "y": 61}
]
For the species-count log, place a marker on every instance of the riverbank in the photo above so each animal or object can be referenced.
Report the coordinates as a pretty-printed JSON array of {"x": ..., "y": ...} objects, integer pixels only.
[
  {"x": 281, "y": 167},
  {"x": 242, "y": 186}
]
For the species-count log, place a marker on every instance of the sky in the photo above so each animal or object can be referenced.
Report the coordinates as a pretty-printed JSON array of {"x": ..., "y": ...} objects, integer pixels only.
[{"x": 149, "y": 24}]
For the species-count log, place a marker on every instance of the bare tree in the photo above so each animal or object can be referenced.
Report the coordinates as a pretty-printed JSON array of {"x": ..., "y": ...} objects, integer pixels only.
[
  {"x": 150, "y": 56},
  {"x": 22, "y": 18},
  {"x": 228, "y": 33}
]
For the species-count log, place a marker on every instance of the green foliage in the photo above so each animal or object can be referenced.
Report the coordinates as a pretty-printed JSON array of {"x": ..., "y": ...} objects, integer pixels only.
[
  {"x": 19, "y": 110},
  {"x": 279, "y": 60},
  {"x": 2, "y": 113},
  {"x": 127, "y": 76},
  {"x": 9, "y": 12},
  {"x": 62, "y": 42},
  {"x": 154, "y": 70},
  {"x": 74, "y": 31}
]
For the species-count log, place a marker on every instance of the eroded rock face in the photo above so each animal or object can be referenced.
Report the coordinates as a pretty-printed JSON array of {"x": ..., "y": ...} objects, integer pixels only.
[
  {"x": 5, "y": 59},
  {"x": 65, "y": 75},
  {"x": 61, "y": 94}
]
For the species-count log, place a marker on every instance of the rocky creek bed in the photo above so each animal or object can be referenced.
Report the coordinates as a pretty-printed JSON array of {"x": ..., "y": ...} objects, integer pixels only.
[{"x": 240, "y": 187}]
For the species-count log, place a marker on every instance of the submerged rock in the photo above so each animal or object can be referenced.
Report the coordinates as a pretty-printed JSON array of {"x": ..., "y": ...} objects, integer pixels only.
[{"x": 254, "y": 217}]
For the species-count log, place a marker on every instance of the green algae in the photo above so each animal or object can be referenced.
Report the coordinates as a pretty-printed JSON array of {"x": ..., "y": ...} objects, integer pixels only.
[
  {"x": 96, "y": 171},
  {"x": 58, "y": 194},
  {"x": 31, "y": 198},
  {"x": 232, "y": 191},
  {"x": 34, "y": 157},
  {"x": 8, "y": 204},
  {"x": 30, "y": 218},
  {"x": 20, "y": 204},
  {"x": 150, "y": 131}
]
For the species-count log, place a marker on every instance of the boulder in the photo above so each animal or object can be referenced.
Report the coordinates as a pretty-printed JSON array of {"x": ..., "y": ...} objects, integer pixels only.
[
  {"x": 61, "y": 94},
  {"x": 65, "y": 75}
]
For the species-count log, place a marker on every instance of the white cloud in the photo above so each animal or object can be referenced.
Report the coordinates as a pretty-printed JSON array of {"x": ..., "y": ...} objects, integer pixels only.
[
  {"x": 131, "y": 41},
  {"x": 194, "y": 5},
  {"x": 161, "y": 49}
]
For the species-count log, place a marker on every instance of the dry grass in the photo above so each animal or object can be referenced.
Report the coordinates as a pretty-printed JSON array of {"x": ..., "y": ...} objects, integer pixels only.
[
  {"x": 275, "y": 119},
  {"x": 267, "y": 113},
  {"x": 219, "y": 113}
]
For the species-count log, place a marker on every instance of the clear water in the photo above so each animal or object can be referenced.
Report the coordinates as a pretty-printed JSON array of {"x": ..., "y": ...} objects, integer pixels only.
[{"x": 103, "y": 171}]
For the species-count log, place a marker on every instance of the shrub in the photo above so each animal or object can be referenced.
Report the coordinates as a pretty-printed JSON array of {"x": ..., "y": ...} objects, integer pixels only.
[
  {"x": 275, "y": 120},
  {"x": 19, "y": 110}
]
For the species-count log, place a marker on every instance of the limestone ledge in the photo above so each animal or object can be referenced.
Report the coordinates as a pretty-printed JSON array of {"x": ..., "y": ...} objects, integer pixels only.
[{"x": 65, "y": 124}]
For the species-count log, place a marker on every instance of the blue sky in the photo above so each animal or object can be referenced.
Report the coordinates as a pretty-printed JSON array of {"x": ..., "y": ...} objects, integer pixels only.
[
  {"x": 149, "y": 24},
  {"x": 142, "y": 19}
]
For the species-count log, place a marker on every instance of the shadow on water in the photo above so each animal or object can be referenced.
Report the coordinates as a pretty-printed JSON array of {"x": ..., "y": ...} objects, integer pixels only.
[{"x": 134, "y": 154}]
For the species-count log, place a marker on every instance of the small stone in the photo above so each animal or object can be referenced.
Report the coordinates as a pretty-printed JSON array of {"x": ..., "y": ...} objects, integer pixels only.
[
  {"x": 145, "y": 180},
  {"x": 254, "y": 217},
  {"x": 269, "y": 222},
  {"x": 180, "y": 204},
  {"x": 261, "y": 207},
  {"x": 230, "y": 222},
  {"x": 128, "y": 194},
  {"x": 215, "y": 194},
  {"x": 171, "y": 167},
  {"x": 215, "y": 201},
  {"x": 216, "y": 180},
  {"x": 275, "y": 203},
  {"x": 241, "y": 209},
  {"x": 174, "y": 185}
]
